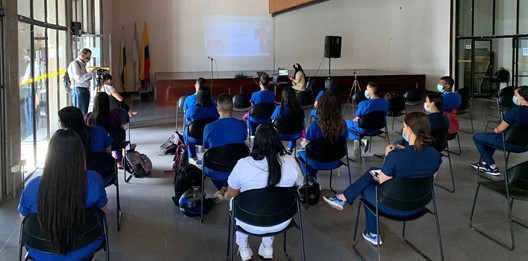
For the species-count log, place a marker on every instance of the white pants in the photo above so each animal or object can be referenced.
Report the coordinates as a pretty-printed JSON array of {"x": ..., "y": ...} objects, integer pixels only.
[{"x": 242, "y": 238}]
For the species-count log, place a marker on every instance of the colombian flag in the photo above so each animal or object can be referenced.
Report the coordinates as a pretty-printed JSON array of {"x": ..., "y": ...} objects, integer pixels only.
[
  {"x": 124, "y": 74},
  {"x": 144, "y": 69}
]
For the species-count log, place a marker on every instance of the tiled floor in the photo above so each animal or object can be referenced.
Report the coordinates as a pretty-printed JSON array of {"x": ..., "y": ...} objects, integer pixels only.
[{"x": 154, "y": 229}]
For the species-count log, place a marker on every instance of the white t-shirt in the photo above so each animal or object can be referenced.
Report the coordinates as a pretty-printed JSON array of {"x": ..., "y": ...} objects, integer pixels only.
[
  {"x": 109, "y": 89},
  {"x": 253, "y": 174}
]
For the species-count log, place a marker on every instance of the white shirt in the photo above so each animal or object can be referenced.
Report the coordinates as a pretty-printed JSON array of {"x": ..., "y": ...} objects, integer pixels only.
[
  {"x": 253, "y": 174},
  {"x": 109, "y": 89},
  {"x": 78, "y": 74}
]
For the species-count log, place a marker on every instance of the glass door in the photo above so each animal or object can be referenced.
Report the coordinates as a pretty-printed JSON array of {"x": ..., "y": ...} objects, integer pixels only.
[
  {"x": 521, "y": 70},
  {"x": 482, "y": 67}
]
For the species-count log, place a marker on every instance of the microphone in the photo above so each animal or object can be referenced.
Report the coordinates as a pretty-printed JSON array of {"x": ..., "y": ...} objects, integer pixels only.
[{"x": 210, "y": 58}]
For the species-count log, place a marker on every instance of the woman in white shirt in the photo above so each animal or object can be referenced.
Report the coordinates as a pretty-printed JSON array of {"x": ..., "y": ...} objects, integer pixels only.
[
  {"x": 268, "y": 165},
  {"x": 110, "y": 90},
  {"x": 299, "y": 78}
]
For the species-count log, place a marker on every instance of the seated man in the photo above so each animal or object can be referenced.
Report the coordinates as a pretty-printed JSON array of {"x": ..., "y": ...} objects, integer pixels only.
[
  {"x": 372, "y": 104},
  {"x": 262, "y": 96},
  {"x": 452, "y": 101},
  {"x": 225, "y": 130}
]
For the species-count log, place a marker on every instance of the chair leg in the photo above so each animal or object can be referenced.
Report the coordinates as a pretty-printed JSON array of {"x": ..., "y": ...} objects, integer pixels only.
[
  {"x": 119, "y": 213},
  {"x": 301, "y": 228},
  {"x": 452, "y": 189},
  {"x": 438, "y": 231},
  {"x": 202, "y": 195},
  {"x": 331, "y": 188},
  {"x": 355, "y": 232},
  {"x": 284, "y": 247}
]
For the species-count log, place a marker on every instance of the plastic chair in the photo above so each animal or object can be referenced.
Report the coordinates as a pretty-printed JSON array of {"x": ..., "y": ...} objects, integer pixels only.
[
  {"x": 222, "y": 159},
  {"x": 241, "y": 102},
  {"x": 373, "y": 121},
  {"x": 306, "y": 100},
  {"x": 95, "y": 227},
  {"x": 513, "y": 187},
  {"x": 266, "y": 207},
  {"x": 404, "y": 195},
  {"x": 503, "y": 103},
  {"x": 196, "y": 128},
  {"x": 106, "y": 166},
  {"x": 442, "y": 145},
  {"x": 290, "y": 127},
  {"x": 179, "y": 110},
  {"x": 322, "y": 150},
  {"x": 261, "y": 113},
  {"x": 413, "y": 97},
  {"x": 465, "y": 107},
  {"x": 396, "y": 108}
]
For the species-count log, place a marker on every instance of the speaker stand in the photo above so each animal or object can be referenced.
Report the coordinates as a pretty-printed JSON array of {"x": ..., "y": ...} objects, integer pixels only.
[
  {"x": 329, "y": 67},
  {"x": 353, "y": 90}
]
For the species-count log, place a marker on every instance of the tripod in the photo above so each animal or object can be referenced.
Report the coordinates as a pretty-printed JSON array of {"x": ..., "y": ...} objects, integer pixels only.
[{"x": 353, "y": 90}]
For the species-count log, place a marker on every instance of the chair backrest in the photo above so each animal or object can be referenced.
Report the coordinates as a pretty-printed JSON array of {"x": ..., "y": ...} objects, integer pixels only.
[
  {"x": 224, "y": 158},
  {"x": 196, "y": 128},
  {"x": 262, "y": 111},
  {"x": 516, "y": 135},
  {"x": 242, "y": 100},
  {"x": 406, "y": 193},
  {"x": 518, "y": 176},
  {"x": 413, "y": 95},
  {"x": 324, "y": 150},
  {"x": 181, "y": 101},
  {"x": 305, "y": 98},
  {"x": 266, "y": 206},
  {"x": 31, "y": 234},
  {"x": 358, "y": 97},
  {"x": 396, "y": 105},
  {"x": 291, "y": 123},
  {"x": 309, "y": 85},
  {"x": 371, "y": 121},
  {"x": 466, "y": 96},
  {"x": 102, "y": 163},
  {"x": 440, "y": 139},
  {"x": 505, "y": 96}
]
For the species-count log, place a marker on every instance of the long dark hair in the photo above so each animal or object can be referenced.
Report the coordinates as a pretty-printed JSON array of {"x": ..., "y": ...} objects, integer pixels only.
[
  {"x": 203, "y": 96},
  {"x": 61, "y": 201},
  {"x": 72, "y": 118},
  {"x": 421, "y": 127},
  {"x": 101, "y": 111},
  {"x": 268, "y": 145},
  {"x": 329, "y": 117},
  {"x": 290, "y": 101},
  {"x": 298, "y": 68}
]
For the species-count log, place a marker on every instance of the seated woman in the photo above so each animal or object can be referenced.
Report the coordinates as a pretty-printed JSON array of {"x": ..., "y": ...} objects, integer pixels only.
[
  {"x": 61, "y": 208},
  {"x": 113, "y": 94},
  {"x": 414, "y": 161},
  {"x": 263, "y": 96},
  {"x": 329, "y": 125},
  {"x": 518, "y": 115},
  {"x": 331, "y": 89},
  {"x": 299, "y": 78},
  {"x": 111, "y": 121},
  {"x": 267, "y": 166},
  {"x": 204, "y": 108},
  {"x": 289, "y": 105}
]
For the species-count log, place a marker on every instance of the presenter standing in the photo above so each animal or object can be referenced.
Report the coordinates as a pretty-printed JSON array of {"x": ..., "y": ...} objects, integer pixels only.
[{"x": 81, "y": 80}]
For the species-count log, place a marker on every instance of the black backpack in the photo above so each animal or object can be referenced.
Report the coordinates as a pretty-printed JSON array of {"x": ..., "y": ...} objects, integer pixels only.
[
  {"x": 67, "y": 79},
  {"x": 185, "y": 178},
  {"x": 311, "y": 188}
]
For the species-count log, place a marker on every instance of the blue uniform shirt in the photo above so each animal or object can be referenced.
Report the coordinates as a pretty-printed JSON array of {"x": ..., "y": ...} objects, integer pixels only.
[
  {"x": 96, "y": 197},
  {"x": 197, "y": 112},
  {"x": 263, "y": 96},
  {"x": 281, "y": 110},
  {"x": 224, "y": 131},
  {"x": 409, "y": 163},
  {"x": 371, "y": 105},
  {"x": 100, "y": 139},
  {"x": 517, "y": 115},
  {"x": 452, "y": 101},
  {"x": 438, "y": 121},
  {"x": 189, "y": 101},
  {"x": 320, "y": 94}
]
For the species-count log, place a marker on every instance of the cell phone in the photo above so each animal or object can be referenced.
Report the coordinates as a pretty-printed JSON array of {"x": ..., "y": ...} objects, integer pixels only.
[{"x": 375, "y": 174}]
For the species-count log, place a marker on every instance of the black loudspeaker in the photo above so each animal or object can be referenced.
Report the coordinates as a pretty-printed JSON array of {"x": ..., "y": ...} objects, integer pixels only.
[
  {"x": 332, "y": 47},
  {"x": 76, "y": 28}
]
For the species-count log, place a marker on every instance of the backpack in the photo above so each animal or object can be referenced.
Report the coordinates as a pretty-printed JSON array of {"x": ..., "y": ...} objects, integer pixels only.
[
  {"x": 184, "y": 179},
  {"x": 453, "y": 121},
  {"x": 170, "y": 146},
  {"x": 180, "y": 156},
  {"x": 314, "y": 190},
  {"x": 67, "y": 79},
  {"x": 138, "y": 164}
]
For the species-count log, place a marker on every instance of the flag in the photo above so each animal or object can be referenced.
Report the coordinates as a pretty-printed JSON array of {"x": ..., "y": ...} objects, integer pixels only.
[
  {"x": 122, "y": 54},
  {"x": 135, "y": 57},
  {"x": 144, "y": 71}
]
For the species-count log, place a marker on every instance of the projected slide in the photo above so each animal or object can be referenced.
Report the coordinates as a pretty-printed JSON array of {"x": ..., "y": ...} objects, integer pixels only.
[{"x": 238, "y": 36}]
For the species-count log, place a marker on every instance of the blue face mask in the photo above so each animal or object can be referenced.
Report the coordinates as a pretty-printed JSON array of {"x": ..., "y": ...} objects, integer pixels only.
[
  {"x": 405, "y": 136},
  {"x": 440, "y": 88},
  {"x": 516, "y": 101},
  {"x": 367, "y": 94}
]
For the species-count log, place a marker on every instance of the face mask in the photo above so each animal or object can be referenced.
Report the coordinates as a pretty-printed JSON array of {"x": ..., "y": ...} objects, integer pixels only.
[
  {"x": 516, "y": 101},
  {"x": 86, "y": 60},
  {"x": 427, "y": 109},
  {"x": 404, "y": 136},
  {"x": 440, "y": 88},
  {"x": 367, "y": 94}
]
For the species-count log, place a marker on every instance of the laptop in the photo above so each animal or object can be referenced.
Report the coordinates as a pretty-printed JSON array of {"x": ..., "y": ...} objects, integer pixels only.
[
  {"x": 283, "y": 72},
  {"x": 274, "y": 78}
]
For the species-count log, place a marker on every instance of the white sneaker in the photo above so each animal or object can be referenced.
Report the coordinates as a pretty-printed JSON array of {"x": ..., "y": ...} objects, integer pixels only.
[
  {"x": 356, "y": 149},
  {"x": 265, "y": 252},
  {"x": 245, "y": 253},
  {"x": 195, "y": 162},
  {"x": 365, "y": 144}
]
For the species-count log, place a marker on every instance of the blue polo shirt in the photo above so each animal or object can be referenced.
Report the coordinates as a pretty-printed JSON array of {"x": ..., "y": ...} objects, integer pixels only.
[
  {"x": 517, "y": 115},
  {"x": 263, "y": 96},
  {"x": 452, "y": 101},
  {"x": 409, "y": 163},
  {"x": 96, "y": 197},
  {"x": 224, "y": 131},
  {"x": 197, "y": 112},
  {"x": 100, "y": 139}
]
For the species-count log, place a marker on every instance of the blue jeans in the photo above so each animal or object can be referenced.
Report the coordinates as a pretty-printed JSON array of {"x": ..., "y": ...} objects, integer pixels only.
[
  {"x": 81, "y": 99},
  {"x": 484, "y": 140},
  {"x": 29, "y": 112},
  {"x": 366, "y": 186}
]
